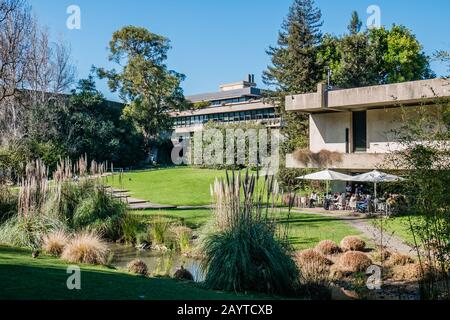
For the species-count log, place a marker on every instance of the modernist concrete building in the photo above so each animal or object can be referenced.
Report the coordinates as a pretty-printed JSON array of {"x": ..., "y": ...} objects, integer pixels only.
[
  {"x": 235, "y": 102},
  {"x": 358, "y": 123}
]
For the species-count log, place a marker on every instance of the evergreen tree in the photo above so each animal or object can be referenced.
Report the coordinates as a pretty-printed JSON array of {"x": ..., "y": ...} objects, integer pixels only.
[{"x": 355, "y": 23}]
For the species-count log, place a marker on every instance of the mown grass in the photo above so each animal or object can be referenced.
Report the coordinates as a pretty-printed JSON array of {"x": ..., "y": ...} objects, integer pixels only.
[
  {"x": 399, "y": 227},
  {"x": 305, "y": 230},
  {"x": 183, "y": 186},
  {"x": 44, "y": 278}
]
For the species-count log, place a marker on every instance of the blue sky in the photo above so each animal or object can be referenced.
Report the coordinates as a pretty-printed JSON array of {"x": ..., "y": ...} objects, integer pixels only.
[{"x": 216, "y": 42}]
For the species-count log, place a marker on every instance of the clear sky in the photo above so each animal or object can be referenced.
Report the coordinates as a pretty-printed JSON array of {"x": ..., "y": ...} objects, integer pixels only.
[{"x": 215, "y": 41}]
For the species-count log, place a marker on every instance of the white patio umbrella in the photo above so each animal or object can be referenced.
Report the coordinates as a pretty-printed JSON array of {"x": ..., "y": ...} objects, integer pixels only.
[
  {"x": 326, "y": 175},
  {"x": 376, "y": 177}
]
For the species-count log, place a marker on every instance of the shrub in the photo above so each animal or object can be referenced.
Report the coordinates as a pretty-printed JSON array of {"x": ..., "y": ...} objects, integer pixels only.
[
  {"x": 102, "y": 213},
  {"x": 183, "y": 274},
  {"x": 55, "y": 242},
  {"x": 137, "y": 266},
  {"x": 86, "y": 247},
  {"x": 352, "y": 243},
  {"x": 328, "y": 247},
  {"x": 354, "y": 261},
  {"x": 8, "y": 202},
  {"x": 27, "y": 233}
]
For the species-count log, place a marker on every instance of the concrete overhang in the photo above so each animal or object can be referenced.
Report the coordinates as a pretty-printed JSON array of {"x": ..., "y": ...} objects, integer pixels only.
[
  {"x": 249, "y": 106},
  {"x": 391, "y": 95}
]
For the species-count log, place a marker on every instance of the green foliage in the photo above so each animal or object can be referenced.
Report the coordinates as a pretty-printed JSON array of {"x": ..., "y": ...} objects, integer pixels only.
[
  {"x": 427, "y": 189},
  {"x": 151, "y": 89},
  {"x": 101, "y": 212},
  {"x": 159, "y": 230},
  {"x": 133, "y": 230},
  {"x": 250, "y": 148},
  {"x": 8, "y": 203},
  {"x": 243, "y": 250},
  {"x": 248, "y": 258},
  {"x": 90, "y": 125},
  {"x": 201, "y": 105}
]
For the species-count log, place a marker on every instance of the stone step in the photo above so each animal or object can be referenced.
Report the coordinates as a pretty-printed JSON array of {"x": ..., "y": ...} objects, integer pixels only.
[{"x": 147, "y": 205}]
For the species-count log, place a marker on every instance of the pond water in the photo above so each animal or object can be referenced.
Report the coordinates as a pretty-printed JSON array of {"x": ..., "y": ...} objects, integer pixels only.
[{"x": 158, "y": 263}]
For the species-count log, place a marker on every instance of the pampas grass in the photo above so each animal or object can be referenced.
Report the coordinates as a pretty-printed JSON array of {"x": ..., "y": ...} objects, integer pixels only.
[
  {"x": 55, "y": 242},
  {"x": 86, "y": 247}
]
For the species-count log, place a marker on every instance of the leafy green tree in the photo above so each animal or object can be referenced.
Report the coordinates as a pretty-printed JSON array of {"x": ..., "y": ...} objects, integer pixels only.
[
  {"x": 401, "y": 55},
  {"x": 90, "y": 125},
  {"x": 150, "y": 90}
]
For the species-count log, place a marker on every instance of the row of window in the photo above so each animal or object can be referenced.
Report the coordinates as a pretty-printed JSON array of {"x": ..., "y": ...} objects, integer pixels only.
[
  {"x": 233, "y": 100},
  {"x": 226, "y": 117}
]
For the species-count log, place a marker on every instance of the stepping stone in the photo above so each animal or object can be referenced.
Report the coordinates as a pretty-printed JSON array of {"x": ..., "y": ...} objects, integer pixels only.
[
  {"x": 136, "y": 201},
  {"x": 147, "y": 205}
]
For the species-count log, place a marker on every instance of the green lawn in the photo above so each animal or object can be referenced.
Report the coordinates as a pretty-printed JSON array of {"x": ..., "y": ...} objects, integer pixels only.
[
  {"x": 175, "y": 186},
  {"x": 305, "y": 230},
  {"x": 398, "y": 226},
  {"x": 25, "y": 278}
]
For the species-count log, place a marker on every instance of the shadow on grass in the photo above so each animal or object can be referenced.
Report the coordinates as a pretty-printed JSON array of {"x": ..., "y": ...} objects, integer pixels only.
[{"x": 24, "y": 278}]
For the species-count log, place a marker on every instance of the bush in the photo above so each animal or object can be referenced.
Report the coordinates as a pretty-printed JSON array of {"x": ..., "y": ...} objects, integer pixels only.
[
  {"x": 137, "y": 266},
  {"x": 55, "y": 242},
  {"x": 27, "y": 233},
  {"x": 8, "y": 203},
  {"x": 183, "y": 274},
  {"x": 86, "y": 247},
  {"x": 354, "y": 261},
  {"x": 328, "y": 247},
  {"x": 352, "y": 243},
  {"x": 102, "y": 213}
]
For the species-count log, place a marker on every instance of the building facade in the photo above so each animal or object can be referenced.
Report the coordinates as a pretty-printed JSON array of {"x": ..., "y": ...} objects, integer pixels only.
[
  {"x": 235, "y": 102},
  {"x": 359, "y": 123}
]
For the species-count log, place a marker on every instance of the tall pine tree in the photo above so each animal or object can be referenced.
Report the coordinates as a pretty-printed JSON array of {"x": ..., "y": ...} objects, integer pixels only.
[{"x": 295, "y": 69}]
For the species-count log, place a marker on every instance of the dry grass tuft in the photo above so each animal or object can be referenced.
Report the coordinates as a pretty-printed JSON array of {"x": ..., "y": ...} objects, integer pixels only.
[
  {"x": 55, "y": 242},
  {"x": 311, "y": 256},
  {"x": 352, "y": 243},
  {"x": 86, "y": 247},
  {"x": 406, "y": 272},
  {"x": 380, "y": 255},
  {"x": 398, "y": 259},
  {"x": 137, "y": 266},
  {"x": 328, "y": 247},
  {"x": 354, "y": 261}
]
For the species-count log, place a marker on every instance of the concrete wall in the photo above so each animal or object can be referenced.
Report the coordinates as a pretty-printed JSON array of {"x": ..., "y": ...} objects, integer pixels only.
[{"x": 327, "y": 131}]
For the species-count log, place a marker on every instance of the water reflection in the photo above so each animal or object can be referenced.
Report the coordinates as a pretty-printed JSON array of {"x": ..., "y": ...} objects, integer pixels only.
[{"x": 156, "y": 262}]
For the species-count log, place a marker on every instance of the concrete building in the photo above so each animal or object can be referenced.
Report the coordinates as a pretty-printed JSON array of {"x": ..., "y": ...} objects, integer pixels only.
[
  {"x": 358, "y": 123},
  {"x": 234, "y": 102}
]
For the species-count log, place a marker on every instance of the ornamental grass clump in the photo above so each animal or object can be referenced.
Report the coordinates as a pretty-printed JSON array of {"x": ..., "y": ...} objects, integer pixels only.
[
  {"x": 86, "y": 247},
  {"x": 354, "y": 261},
  {"x": 55, "y": 242},
  {"x": 352, "y": 243},
  {"x": 328, "y": 247},
  {"x": 243, "y": 251}
]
